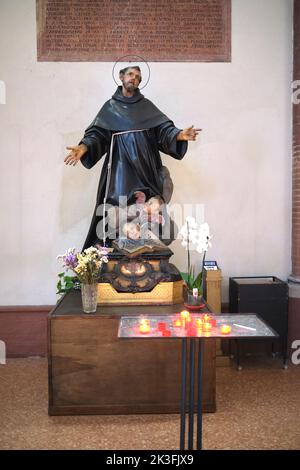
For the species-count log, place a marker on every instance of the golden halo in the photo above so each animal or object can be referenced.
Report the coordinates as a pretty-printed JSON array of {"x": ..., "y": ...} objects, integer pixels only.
[{"x": 127, "y": 61}]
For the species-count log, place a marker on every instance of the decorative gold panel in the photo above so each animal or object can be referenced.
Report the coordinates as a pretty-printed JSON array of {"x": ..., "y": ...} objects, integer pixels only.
[{"x": 163, "y": 293}]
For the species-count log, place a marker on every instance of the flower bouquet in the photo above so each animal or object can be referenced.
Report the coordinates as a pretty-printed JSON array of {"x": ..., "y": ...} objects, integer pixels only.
[
  {"x": 197, "y": 238},
  {"x": 86, "y": 266}
]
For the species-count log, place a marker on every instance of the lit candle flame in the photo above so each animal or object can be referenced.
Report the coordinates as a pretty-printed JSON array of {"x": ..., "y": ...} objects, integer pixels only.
[
  {"x": 144, "y": 325},
  {"x": 185, "y": 314},
  {"x": 207, "y": 326},
  {"x": 225, "y": 329}
]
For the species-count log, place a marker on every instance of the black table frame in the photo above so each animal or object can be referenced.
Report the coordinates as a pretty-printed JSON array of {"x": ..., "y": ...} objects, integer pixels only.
[
  {"x": 188, "y": 406},
  {"x": 196, "y": 350}
]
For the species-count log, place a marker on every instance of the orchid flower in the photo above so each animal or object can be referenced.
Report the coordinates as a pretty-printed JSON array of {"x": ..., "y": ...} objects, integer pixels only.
[{"x": 197, "y": 238}]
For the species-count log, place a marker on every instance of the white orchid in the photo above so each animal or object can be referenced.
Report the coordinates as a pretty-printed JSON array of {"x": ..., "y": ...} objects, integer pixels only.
[
  {"x": 191, "y": 234},
  {"x": 204, "y": 237},
  {"x": 189, "y": 230},
  {"x": 197, "y": 238}
]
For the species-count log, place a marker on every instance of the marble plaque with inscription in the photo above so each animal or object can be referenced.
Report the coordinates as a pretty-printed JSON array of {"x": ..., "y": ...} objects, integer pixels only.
[{"x": 157, "y": 30}]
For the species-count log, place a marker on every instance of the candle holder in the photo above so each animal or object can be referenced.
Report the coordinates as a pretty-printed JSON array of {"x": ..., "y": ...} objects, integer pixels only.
[
  {"x": 194, "y": 302},
  {"x": 225, "y": 329},
  {"x": 207, "y": 326},
  {"x": 161, "y": 326},
  {"x": 144, "y": 326},
  {"x": 177, "y": 323},
  {"x": 184, "y": 314}
]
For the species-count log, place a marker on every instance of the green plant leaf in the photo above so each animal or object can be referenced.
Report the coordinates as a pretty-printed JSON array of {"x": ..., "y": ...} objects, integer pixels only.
[
  {"x": 198, "y": 281},
  {"x": 184, "y": 276},
  {"x": 65, "y": 283},
  {"x": 187, "y": 279}
]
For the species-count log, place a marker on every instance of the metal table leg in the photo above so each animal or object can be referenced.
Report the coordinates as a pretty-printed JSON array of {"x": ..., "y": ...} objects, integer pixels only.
[
  {"x": 200, "y": 394},
  {"x": 183, "y": 393},
  {"x": 284, "y": 353},
  {"x": 191, "y": 400},
  {"x": 238, "y": 355}
]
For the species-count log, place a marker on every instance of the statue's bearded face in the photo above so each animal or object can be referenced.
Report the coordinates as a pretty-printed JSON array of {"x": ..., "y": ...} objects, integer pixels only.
[{"x": 131, "y": 79}]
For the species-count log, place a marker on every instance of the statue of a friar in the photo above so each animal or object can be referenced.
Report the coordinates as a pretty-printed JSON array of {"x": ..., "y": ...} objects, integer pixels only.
[{"x": 131, "y": 131}]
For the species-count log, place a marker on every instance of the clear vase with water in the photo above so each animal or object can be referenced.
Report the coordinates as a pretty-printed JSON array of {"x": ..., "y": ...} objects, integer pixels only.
[
  {"x": 194, "y": 298},
  {"x": 89, "y": 297}
]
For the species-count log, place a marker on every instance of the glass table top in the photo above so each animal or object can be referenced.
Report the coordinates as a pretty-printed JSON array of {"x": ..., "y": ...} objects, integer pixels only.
[{"x": 185, "y": 324}]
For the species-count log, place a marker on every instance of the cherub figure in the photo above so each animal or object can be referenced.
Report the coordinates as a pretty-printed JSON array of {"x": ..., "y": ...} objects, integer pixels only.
[
  {"x": 146, "y": 213},
  {"x": 132, "y": 230},
  {"x": 149, "y": 211}
]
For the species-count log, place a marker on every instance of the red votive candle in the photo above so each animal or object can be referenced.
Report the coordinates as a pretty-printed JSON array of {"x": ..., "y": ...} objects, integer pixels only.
[
  {"x": 166, "y": 333},
  {"x": 191, "y": 331},
  {"x": 161, "y": 326}
]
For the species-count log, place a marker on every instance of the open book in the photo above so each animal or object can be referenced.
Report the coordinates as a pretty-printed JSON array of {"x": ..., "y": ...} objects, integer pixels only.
[{"x": 137, "y": 247}]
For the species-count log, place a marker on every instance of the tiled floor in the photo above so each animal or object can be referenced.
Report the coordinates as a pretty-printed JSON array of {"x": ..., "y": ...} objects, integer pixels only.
[{"x": 258, "y": 408}]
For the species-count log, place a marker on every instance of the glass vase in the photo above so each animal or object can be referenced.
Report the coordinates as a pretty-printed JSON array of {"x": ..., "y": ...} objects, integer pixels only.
[
  {"x": 89, "y": 297},
  {"x": 194, "y": 300}
]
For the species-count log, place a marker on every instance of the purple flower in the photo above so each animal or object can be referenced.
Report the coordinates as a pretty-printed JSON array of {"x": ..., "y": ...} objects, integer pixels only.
[{"x": 70, "y": 260}]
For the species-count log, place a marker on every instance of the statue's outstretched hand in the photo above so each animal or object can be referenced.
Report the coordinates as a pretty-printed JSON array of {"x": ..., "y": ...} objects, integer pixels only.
[
  {"x": 76, "y": 154},
  {"x": 190, "y": 133}
]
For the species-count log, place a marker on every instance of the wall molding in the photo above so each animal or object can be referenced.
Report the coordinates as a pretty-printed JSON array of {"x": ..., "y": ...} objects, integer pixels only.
[
  {"x": 23, "y": 328},
  {"x": 26, "y": 308}
]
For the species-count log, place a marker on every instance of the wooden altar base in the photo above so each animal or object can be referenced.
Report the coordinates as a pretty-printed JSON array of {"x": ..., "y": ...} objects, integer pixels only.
[{"x": 91, "y": 371}]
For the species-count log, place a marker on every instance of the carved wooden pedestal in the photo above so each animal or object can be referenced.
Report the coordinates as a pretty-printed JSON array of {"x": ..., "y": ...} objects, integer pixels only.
[
  {"x": 91, "y": 371},
  {"x": 148, "y": 279}
]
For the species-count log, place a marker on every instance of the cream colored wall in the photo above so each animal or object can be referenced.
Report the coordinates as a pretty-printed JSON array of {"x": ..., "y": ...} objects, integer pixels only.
[{"x": 239, "y": 169}]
